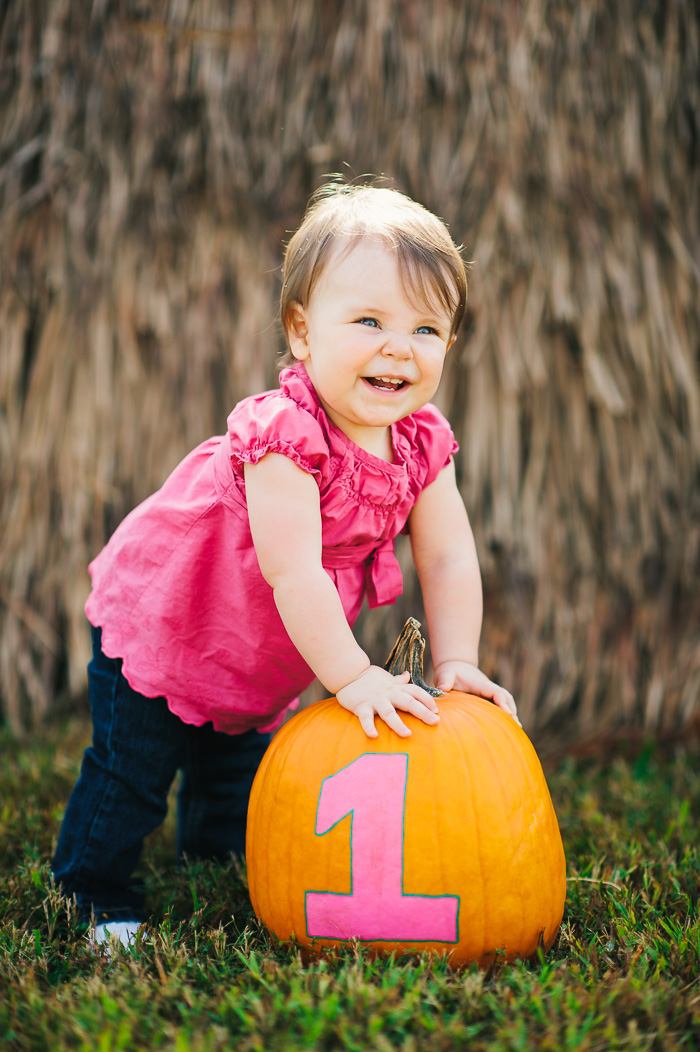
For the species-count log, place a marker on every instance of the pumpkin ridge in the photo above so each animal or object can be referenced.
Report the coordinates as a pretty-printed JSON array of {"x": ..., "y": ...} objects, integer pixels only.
[
  {"x": 461, "y": 741},
  {"x": 448, "y": 728},
  {"x": 503, "y": 760},
  {"x": 283, "y": 745}
]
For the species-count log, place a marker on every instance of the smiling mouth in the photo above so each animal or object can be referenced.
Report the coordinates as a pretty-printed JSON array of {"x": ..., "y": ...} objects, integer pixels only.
[{"x": 386, "y": 383}]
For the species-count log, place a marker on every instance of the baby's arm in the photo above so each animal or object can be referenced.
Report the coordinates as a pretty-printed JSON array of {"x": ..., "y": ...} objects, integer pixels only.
[
  {"x": 448, "y": 568},
  {"x": 285, "y": 522}
]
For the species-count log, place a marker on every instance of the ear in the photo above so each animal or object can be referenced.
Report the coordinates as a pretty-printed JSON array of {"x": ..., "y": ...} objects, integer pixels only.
[{"x": 297, "y": 331}]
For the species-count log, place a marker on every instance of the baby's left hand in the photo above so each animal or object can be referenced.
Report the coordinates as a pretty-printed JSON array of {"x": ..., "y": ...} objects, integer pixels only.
[{"x": 460, "y": 675}]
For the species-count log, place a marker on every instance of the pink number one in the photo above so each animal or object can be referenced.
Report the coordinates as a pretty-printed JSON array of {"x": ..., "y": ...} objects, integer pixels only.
[{"x": 373, "y": 790}]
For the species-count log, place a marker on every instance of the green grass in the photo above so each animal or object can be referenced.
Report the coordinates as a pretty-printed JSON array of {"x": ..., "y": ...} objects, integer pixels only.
[{"x": 623, "y": 973}]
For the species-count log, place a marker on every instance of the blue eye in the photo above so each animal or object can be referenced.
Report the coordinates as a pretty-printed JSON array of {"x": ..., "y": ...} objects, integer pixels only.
[
  {"x": 369, "y": 321},
  {"x": 427, "y": 329}
]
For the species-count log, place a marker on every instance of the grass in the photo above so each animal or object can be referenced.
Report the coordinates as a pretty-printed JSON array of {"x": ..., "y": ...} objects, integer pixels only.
[{"x": 623, "y": 973}]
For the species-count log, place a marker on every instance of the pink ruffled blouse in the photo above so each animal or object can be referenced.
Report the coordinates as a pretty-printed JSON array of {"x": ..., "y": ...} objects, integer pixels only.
[{"x": 178, "y": 591}]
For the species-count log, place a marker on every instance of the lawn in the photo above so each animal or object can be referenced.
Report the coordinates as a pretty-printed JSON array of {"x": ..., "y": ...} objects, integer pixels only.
[{"x": 622, "y": 974}]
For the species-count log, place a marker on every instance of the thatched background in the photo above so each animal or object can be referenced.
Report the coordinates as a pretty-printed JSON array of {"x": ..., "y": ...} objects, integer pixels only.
[{"x": 152, "y": 157}]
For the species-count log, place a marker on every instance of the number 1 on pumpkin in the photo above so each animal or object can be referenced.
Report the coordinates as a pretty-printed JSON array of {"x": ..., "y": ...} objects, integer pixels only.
[{"x": 372, "y": 790}]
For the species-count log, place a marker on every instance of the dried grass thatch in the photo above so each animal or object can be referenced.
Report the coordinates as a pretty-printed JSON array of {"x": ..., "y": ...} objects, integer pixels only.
[{"x": 154, "y": 154}]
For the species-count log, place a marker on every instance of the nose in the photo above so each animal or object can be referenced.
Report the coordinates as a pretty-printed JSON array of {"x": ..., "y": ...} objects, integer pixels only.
[{"x": 397, "y": 345}]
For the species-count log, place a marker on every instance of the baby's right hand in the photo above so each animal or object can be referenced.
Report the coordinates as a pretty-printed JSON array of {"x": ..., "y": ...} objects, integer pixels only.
[{"x": 376, "y": 691}]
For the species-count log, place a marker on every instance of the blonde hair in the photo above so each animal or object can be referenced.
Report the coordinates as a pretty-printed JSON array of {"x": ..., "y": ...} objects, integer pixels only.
[{"x": 430, "y": 263}]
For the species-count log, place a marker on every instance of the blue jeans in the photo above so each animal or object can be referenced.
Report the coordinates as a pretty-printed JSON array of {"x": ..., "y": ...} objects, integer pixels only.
[{"x": 121, "y": 796}]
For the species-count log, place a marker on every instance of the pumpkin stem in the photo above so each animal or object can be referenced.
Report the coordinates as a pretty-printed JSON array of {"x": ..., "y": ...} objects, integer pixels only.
[{"x": 407, "y": 656}]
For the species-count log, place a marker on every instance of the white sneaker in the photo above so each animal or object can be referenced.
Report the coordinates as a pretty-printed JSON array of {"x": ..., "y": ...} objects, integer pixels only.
[{"x": 119, "y": 931}]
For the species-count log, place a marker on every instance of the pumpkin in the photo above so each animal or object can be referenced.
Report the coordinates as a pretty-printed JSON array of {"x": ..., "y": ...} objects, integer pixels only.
[{"x": 446, "y": 841}]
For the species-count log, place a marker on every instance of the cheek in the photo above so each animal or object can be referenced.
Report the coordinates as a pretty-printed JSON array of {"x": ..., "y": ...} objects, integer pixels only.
[{"x": 434, "y": 367}]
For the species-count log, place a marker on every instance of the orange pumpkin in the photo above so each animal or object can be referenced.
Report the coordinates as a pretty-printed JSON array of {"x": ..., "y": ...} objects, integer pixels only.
[{"x": 445, "y": 841}]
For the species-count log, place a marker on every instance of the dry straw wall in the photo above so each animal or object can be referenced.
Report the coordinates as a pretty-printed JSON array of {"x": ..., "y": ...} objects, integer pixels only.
[{"x": 153, "y": 156}]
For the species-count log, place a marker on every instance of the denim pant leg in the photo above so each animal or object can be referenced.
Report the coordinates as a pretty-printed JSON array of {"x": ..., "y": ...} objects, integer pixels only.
[
  {"x": 121, "y": 795},
  {"x": 213, "y": 796}
]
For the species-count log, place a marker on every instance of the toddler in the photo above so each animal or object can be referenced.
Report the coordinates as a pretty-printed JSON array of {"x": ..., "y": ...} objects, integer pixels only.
[{"x": 221, "y": 597}]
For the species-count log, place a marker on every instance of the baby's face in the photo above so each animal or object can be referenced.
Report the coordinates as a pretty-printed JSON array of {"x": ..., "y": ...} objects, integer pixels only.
[{"x": 372, "y": 351}]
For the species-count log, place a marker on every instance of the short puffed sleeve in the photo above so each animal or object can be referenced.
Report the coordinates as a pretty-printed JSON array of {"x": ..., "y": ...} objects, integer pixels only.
[
  {"x": 432, "y": 445},
  {"x": 274, "y": 423}
]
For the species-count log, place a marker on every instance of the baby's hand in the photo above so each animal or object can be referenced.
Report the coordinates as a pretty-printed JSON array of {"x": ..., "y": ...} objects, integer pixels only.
[
  {"x": 460, "y": 675},
  {"x": 377, "y": 691}
]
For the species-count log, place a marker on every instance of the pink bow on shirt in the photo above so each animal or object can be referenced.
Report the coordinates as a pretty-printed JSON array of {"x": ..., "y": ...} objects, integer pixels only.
[{"x": 383, "y": 577}]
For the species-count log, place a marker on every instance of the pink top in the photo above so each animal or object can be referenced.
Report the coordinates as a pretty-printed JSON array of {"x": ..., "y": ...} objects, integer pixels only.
[{"x": 178, "y": 591}]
